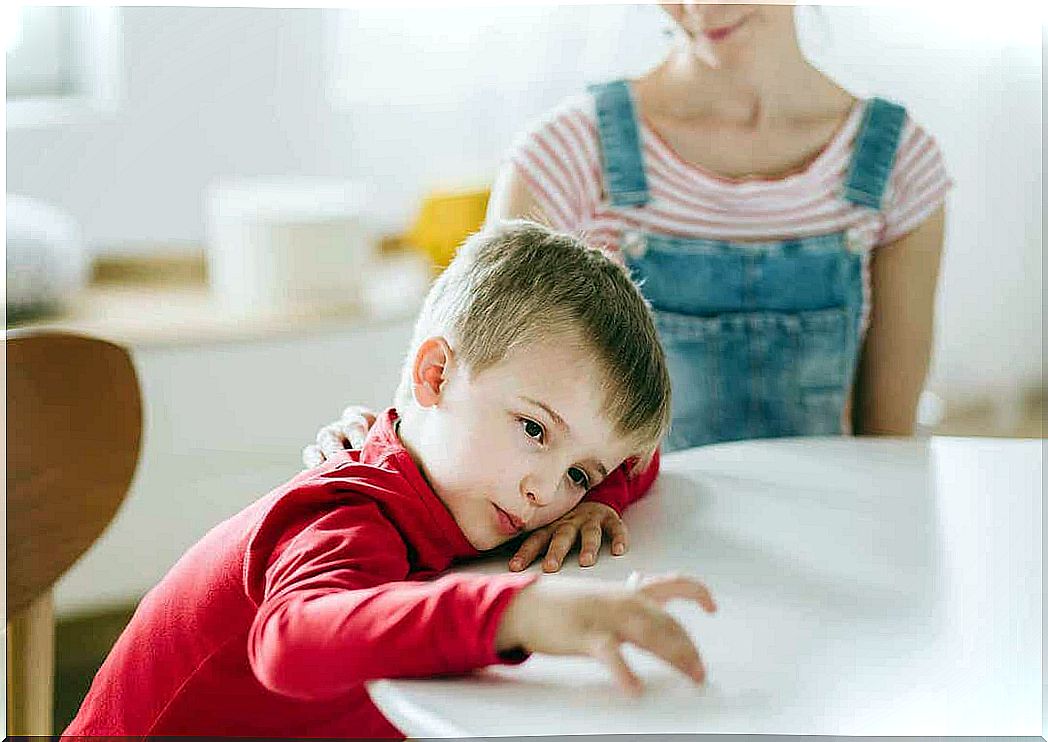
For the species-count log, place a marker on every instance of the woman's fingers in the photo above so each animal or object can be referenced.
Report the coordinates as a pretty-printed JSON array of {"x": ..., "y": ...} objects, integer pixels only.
[
  {"x": 591, "y": 532},
  {"x": 606, "y": 649},
  {"x": 349, "y": 431},
  {"x": 530, "y": 549},
  {"x": 355, "y": 432},
  {"x": 312, "y": 456},
  {"x": 355, "y": 423},
  {"x": 331, "y": 440},
  {"x": 354, "y": 412},
  {"x": 663, "y": 588},
  {"x": 559, "y": 546}
]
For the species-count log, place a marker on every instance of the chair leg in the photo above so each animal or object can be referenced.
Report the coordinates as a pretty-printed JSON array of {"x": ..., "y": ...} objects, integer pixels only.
[{"x": 31, "y": 669}]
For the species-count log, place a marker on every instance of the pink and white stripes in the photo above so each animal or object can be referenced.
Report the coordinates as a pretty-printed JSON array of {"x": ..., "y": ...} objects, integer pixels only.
[{"x": 559, "y": 159}]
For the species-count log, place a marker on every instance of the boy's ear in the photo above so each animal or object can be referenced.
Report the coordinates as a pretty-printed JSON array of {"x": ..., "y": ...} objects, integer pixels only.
[{"x": 431, "y": 370}]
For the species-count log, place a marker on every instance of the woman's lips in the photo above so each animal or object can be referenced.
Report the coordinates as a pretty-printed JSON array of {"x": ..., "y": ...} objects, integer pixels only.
[
  {"x": 719, "y": 34},
  {"x": 509, "y": 524}
]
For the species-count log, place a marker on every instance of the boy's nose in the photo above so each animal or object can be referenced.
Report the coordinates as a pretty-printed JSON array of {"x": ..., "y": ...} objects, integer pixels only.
[{"x": 537, "y": 491}]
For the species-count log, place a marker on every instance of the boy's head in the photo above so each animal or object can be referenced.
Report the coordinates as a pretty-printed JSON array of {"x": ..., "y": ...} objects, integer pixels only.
[{"x": 534, "y": 371}]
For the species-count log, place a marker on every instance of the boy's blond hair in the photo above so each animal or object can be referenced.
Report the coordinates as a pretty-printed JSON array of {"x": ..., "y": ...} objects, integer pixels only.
[{"x": 519, "y": 283}]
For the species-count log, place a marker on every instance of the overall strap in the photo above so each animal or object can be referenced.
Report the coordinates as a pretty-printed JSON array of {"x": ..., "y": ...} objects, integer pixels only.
[
  {"x": 622, "y": 155},
  {"x": 874, "y": 154}
]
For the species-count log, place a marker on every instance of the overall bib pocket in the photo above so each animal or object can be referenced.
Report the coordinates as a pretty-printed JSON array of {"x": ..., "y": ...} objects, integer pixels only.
[{"x": 760, "y": 340}]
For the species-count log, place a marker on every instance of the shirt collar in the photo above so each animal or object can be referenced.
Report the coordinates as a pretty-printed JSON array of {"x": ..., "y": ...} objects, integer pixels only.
[{"x": 382, "y": 442}]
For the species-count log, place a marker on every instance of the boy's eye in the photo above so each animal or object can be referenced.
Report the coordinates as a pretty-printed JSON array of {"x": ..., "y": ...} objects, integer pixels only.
[
  {"x": 532, "y": 429},
  {"x": 578, "y": 477}
]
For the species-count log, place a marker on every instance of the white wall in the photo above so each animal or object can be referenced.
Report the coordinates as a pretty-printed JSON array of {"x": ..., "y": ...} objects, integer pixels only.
[
  {"x": 974, "y": 81},
  {"x": 209, "y": 92},
  {"x": 225, "y": 91}
]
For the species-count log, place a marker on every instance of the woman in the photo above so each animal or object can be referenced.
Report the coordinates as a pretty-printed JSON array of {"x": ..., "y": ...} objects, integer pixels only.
[{"x": 787, "y": 235}]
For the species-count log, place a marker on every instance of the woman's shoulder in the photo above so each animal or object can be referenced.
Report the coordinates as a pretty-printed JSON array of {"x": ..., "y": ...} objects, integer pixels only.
[
  {"x": 575, "y": 112},
  {"x": 920, "y": 180},
  {"x": 911, "y": 129},
  {"x": 917, "y": 148}
]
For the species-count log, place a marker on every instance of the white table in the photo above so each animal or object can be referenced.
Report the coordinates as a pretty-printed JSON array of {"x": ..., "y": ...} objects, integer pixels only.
[{"x": 870, "y": 587}]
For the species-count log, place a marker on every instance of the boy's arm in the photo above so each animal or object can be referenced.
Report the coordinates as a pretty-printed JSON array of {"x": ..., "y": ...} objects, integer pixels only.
[
  {"x": 334, "y": 611},
  {"x": 619, "y": 490}
]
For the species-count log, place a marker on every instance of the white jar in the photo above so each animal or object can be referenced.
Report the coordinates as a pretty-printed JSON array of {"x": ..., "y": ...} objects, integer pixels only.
[{"x": 290, "y": 244}]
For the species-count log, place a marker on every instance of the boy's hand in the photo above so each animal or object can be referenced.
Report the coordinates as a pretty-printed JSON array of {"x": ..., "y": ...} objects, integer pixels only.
[
  {"x": 349, "y": 431},
  {"x": 586, "y": 617},
  {"x": 590, "y": 519}
]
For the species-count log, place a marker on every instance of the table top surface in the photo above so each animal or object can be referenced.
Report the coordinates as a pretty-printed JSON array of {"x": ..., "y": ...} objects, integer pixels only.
[{"x": 864, "y": 586}]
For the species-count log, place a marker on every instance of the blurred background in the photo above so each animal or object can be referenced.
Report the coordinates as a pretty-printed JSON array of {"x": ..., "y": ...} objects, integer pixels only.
[{"x": 176, "y": 176}]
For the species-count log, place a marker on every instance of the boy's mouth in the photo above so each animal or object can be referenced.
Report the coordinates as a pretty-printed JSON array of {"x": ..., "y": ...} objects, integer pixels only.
[{"x": 508, "y": 523}]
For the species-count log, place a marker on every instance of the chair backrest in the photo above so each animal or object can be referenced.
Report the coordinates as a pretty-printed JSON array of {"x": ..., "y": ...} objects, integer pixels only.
[{"x": 74, "y": 424}]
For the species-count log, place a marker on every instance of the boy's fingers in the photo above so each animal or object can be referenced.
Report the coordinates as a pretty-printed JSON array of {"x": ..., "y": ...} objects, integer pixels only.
[
  {"x": 311, "y": 456},
  {"x": 559, "y": 546},
  {"x": 618, "y": 534},
  {"x": 530, "y": 549},
  {"x": 655, "y": 631},
  {"x": 663, "y": 588},
  {"x": 606, "y": 649},
  {"x": 591, "y": 538}
]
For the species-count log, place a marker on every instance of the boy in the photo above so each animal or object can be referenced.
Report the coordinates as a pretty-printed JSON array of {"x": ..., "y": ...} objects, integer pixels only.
[{"x": 534, "y": 372}]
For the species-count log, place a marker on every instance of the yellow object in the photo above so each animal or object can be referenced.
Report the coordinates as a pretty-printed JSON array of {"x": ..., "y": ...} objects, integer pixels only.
[{"x": 445, "y": 219}]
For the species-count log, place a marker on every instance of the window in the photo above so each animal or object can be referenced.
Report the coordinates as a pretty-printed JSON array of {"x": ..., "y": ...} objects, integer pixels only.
[{"x": 63, "y": 63}]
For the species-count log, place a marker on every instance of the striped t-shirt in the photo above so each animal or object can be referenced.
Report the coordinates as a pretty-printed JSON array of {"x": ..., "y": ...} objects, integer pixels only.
[{"x": 559, "y": 158}]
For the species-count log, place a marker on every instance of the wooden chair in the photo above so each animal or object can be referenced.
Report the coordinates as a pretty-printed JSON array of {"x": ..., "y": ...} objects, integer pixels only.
[{"x": 74, "y": 423}]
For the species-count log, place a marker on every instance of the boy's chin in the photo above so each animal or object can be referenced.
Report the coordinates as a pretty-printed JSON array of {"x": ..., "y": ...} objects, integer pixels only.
[{"x": 494, "y": 542}]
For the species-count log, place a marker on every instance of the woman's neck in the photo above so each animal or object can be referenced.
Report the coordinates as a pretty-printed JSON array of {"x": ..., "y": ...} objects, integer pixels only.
[{"x": 773, "y": 82}]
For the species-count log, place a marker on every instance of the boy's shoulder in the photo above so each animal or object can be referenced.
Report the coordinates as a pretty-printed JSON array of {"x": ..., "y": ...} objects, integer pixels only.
[
  {"x": 342, "y": 481},
  {"x": 379, "y": 491},
  {"x": 344, "y": 504}
]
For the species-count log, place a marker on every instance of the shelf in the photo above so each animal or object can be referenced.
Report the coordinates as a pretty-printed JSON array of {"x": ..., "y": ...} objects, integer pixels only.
[{"x": 148, "y": 312}]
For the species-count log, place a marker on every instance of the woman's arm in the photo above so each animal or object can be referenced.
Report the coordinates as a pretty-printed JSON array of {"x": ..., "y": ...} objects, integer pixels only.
[
  {"x": 897, "y": 350},
  {"x": 512, "y": 198}
]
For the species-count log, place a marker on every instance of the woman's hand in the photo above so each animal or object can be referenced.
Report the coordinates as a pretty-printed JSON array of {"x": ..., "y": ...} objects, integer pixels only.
[
  {"x": 349, "y": 431},
  {"x": 590, "y": 519},
  {"x": 595, "y": 618}
]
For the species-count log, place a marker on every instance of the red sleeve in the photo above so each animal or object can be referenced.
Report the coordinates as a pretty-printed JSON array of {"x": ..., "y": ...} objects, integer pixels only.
[
  {"x": 335, "y": 611},
  {"x": 620, "y": 490}
]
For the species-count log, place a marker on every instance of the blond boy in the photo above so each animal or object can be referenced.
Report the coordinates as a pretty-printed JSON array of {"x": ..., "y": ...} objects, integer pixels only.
[{"x": 534, "y": 373}]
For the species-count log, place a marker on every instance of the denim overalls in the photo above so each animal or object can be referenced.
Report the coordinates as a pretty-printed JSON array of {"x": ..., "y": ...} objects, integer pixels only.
[{"x": 762, "y": 339}]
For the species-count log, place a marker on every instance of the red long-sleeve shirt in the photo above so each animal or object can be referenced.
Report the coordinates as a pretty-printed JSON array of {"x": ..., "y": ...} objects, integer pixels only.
[{"x": 271, "y": 624}]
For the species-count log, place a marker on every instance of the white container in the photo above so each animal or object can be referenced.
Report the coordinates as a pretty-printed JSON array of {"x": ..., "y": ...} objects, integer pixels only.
[
  {"x": 47, "y": 260},
  {"x": 297, "y": 244}
]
